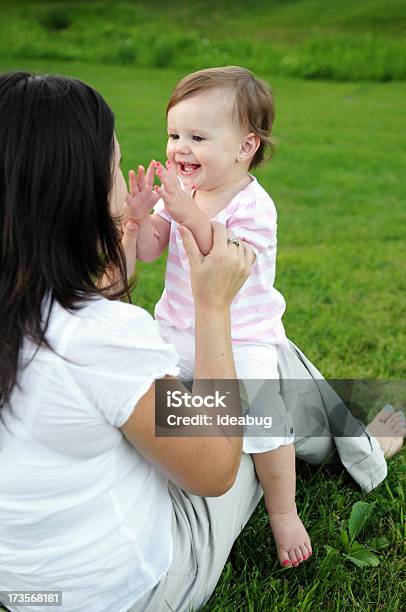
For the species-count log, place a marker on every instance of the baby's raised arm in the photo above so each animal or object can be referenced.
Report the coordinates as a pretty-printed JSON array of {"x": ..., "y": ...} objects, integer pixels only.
[
  {"x": 153, "y": 230},
  {"x": 183, "y": 209}
]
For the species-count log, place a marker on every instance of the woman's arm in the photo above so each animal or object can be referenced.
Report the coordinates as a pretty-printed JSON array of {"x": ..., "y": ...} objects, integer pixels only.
[{"x": 203, "y": 465}]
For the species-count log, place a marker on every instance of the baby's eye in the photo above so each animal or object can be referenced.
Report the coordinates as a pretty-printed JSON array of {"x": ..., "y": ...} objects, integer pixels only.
[
  {"x": 198, "y": 138},
  {"x": 173, "y": 136}
]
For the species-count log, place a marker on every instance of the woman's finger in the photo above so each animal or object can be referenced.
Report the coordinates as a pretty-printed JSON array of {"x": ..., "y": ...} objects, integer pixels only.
[
  {"x": 219, "y": 235},
  {"x": 234, "y": 244},
  {"x": 224, "y": 272},
  {"x": 248, "y": 252},
  {"x": 190, "y": 246}
]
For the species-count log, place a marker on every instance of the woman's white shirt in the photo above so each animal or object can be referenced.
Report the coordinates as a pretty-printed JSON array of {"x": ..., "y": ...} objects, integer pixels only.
[{"x": 81, "y": 510}]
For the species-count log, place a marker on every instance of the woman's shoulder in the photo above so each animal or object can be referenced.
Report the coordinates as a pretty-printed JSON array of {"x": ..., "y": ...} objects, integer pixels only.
[
  {"x": 109, "y": 335},
  {"x": 102, "y": 310},
  {"x": 100, "y": 321},
  {"x": 111, "y": 352}
]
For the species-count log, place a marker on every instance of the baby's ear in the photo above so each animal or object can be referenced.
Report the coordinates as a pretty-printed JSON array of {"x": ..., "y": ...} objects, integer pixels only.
[{"x": 249, "y": 146}]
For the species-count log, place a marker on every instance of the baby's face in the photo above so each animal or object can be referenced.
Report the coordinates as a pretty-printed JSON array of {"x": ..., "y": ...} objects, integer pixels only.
[{"x": 204, "y": 141}]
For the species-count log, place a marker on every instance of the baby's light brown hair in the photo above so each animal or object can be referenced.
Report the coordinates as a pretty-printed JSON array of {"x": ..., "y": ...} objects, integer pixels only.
[{"x": 253, "y": 101}]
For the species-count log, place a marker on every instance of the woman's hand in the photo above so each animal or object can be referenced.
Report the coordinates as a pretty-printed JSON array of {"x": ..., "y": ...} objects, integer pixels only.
[
  {"x": 142, "y": 197},
  {"x": 178, "y": 202},
  {"x": 217, "y": 278}
]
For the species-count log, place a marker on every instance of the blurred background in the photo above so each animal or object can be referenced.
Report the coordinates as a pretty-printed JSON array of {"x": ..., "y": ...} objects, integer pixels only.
[
  {"x": 337, "y": 70},
  {"x": 345, "y": 40}
]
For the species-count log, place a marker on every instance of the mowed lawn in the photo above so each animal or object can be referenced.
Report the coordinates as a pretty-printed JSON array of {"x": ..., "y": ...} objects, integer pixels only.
[{"x": 338, "y": 185}]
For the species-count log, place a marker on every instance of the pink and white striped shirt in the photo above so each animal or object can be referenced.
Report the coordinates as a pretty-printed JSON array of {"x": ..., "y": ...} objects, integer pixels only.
[{"x": 257, "y": 309}]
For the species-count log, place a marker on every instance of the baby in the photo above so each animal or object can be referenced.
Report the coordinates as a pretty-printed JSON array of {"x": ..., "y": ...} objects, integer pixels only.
[{"x": 219, "y": 124}]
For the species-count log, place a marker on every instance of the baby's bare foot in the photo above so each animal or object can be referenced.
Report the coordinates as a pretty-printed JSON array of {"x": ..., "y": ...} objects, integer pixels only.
[
  {"x": 389, "y": 428},
  {"x": 291, "y": 538}
]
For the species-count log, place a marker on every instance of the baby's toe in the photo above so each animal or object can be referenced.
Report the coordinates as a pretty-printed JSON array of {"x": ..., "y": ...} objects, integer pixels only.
[
  {"x": 292, "y": 557},
  {"x": 305, "y": 552},
  {"x": 284, "y": 559}
]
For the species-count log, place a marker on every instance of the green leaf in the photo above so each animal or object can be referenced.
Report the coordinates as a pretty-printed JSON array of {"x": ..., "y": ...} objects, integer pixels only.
[
  {"x": 378, "y": 543},
  {"x": 360, "y": 514},
  {"x": 329, "y": 561},
  {"x": 345, "y": 540},
  {"x": 355, "y": 546},
  {"x": 362, "y": 557}
]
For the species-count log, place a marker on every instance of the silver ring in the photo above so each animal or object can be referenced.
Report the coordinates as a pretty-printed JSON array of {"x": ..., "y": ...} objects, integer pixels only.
[{"x": 233, "y": 240}]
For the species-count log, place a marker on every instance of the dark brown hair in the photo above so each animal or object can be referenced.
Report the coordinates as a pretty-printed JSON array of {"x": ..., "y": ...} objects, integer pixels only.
[
  {"x": 57, "y": 235},
  {"x": 253, "y": 101}
]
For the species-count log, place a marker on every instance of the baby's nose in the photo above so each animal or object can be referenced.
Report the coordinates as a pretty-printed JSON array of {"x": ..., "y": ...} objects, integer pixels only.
[{"x": 182, "y": 146}]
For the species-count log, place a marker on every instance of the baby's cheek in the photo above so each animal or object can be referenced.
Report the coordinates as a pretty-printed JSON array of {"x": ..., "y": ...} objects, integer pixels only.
[{"x": 170, "y": 151}]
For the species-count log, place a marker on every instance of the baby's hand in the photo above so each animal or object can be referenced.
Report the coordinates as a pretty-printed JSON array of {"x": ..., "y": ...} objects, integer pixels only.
[
  {"x": 178, "y": 202},
  {"x": 142, "y": 197}
]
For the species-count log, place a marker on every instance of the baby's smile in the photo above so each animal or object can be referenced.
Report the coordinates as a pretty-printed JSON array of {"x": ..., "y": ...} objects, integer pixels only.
[{"x": 187, "y": 169}]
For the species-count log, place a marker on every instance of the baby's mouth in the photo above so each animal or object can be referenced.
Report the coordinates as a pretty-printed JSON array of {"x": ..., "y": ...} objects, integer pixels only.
[{"x": 187, "y": 169}]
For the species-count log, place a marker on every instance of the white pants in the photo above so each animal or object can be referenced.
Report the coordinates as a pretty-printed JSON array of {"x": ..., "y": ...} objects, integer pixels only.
[
  {"x": 301, "y": 398},
  {"x": 254, "y": 364}
]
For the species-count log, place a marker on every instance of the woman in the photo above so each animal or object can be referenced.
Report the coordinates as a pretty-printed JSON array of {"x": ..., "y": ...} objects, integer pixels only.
[
  {"x": 91, "y": 502},
  {"x": 81, "y": 509}
]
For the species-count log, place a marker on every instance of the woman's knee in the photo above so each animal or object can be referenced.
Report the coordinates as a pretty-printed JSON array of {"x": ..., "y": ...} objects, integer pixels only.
[{"x": 315, "y": 450}]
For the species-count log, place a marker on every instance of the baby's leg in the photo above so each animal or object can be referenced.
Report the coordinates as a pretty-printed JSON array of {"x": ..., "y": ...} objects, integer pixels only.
[
  {"x": 272, "y": 449},
  {"x": 276, "y": 473}
]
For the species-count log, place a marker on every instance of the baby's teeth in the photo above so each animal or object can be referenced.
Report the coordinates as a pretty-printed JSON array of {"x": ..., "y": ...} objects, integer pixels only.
[{"x": 188, "y": 168}]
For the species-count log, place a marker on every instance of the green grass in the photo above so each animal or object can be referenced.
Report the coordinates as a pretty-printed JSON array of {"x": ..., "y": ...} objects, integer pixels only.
[
  {"x": 338, "y": 184},
  {"x": 253, "y": 580},
  {"x": 313, "y": 39}
]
